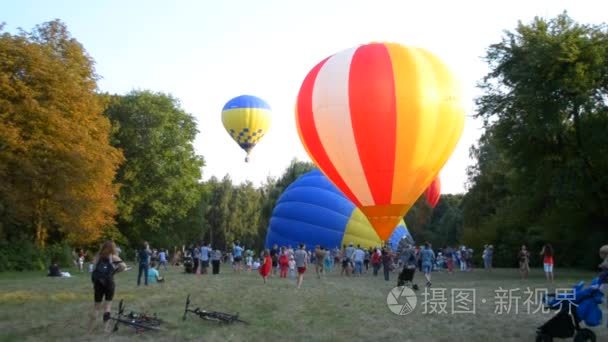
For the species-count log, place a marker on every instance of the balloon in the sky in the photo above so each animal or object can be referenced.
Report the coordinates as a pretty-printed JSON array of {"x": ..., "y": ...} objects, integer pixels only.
[
  {"x": 380, "y": 120},
  {"x": 398, "y": 234},
  {"x": 314, "y": 212},
  {"x": 433, "y": 192},
  {"x": 247, "y": 119}
]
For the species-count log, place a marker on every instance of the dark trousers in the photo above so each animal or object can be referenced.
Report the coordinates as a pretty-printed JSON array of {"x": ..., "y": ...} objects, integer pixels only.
[
  {"x": 376, "y": 268},
  {"x": 386, "y": 270},
  {"x": 143, "y": 268},
  {"x": 215, "y": 264}
]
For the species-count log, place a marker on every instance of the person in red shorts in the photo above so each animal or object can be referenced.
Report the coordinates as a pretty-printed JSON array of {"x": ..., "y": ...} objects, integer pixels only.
[
  {"x": 266, "y": 266},
  {"x": 284, "y": 263},
  {"x": 301, "y": 258},
  {"x": 547, "y": 254}
]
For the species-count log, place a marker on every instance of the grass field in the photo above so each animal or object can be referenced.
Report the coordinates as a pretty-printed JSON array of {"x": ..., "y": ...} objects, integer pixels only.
[{"x": 37, "y": 308}]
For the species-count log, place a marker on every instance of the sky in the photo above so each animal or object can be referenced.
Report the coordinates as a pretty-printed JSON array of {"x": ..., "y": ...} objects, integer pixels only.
[{"x": 207, "y": 52}]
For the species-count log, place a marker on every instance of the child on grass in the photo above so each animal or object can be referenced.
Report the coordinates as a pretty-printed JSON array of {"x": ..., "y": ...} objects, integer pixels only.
[
  {"x": 284, "y": 263},
  {"x": 153, "y": 275},
  {"x": 249, "y": 262},
  {"x": 292, "y": 267},
  {"x": 266, "y": 266}
]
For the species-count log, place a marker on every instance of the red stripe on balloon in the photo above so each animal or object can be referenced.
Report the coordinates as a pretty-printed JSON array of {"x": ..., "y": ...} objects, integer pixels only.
[
  {"x": 310, "y": 136},
  {"x": 433, "y": 192},
  {"x": 373, "y": 110}
]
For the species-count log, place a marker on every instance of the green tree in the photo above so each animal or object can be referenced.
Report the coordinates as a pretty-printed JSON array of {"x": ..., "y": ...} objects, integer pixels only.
[
  {"x": 218, "y": 211},
  {"x": 56, "y": 161},
  {"x": 541, "y": 173},
  {"x": 160, "y": 179}
]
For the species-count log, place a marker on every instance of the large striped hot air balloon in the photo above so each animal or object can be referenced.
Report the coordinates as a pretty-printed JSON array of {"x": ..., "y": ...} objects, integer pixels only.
[
  {"x": 380, "y": 120},
  {"x": 246, "y": 118},
  {"x": 314, "y": 212},
  {"x": 433, "y": 192}
]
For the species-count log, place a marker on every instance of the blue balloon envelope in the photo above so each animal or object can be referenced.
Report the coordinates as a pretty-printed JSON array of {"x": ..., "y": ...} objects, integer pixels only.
[{"x": 314, "y": 212}]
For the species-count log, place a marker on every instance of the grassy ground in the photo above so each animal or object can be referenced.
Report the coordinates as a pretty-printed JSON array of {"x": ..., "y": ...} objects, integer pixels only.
[{"x": 36, "y": 308}]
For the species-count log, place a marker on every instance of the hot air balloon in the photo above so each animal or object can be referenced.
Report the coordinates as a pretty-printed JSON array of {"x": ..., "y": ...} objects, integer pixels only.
[
  {"x": 433, "y": 193},
  {"x": 246, "y": 118},
  {"x": 380, "y": 120},
  {"x": 398, "y": 234},
  {"x": 314, "y": 212}
]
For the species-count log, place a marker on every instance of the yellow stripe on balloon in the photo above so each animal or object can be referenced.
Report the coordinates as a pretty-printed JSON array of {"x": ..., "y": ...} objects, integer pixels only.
[
  {"x": 450, "y": 120},
  {"x": 360, "y": 232},
  {"x": 407, "y": 92}
]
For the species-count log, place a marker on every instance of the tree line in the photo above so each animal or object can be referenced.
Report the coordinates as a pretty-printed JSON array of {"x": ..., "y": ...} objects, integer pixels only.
[{"x": 78, "y": 166}]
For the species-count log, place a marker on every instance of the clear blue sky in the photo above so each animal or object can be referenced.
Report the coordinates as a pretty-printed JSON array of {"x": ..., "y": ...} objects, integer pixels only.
[{"x": 206, "y": 52}]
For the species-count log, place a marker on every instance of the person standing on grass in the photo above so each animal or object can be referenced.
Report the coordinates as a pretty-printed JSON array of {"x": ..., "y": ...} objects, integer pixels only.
[
  {"x": 266, "y": 266},
  {"x": 489, "y": 257},
  {"x": 328, "y": 262},
  {"x": 107, "y": 263},
  {"x": 216, "y": 259},
  {"x": 358, "y": 258},
  {"x": 205, "y": 256},
  {"x": 524, "y": 262},
  {"x": 301, "y": 259},
  {"x": 143, "y": 256},
  {"x": 319, "y": 260},
  {"x": 284, "y": 262},
  {"x": 162, "y": 257},
  {"x": 547, "y": 254},
  {"x": 376, "y": 261},
  {"x": 428, "y": 258},
  {"x": 237, "y": 253},
  {"x": 387, "y": 263},
  {"x": 81, "y": 255},
  {"x": 274, "y": 255},
  {"x": 449, "y": 259}
]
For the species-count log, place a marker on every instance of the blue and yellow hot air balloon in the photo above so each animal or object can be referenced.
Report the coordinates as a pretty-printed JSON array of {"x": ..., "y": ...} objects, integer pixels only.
[
  {"x": 314, "y": 212},
  {"x": 246, "y": 118}
]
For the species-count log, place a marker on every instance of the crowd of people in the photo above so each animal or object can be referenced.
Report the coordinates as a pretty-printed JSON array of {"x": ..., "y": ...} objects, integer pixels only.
[{"x": 289, "y": 262}]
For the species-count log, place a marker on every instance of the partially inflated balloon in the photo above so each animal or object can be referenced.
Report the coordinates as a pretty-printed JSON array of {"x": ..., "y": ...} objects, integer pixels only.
[
  {"x": 433, "y": 193},
  {"x": 247, "y": 119},
  {"x": 380, "y": 120},
  {"x": 314, "y": 212}
]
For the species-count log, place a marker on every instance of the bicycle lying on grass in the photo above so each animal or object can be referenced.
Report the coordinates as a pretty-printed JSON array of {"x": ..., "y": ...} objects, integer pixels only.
[
  {"x": 138, "y": 321},
  {"x": 214, "y": 316}
]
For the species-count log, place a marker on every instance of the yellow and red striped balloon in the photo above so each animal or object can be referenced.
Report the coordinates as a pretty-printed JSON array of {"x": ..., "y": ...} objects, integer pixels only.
[{"x": 380, "y": 120}]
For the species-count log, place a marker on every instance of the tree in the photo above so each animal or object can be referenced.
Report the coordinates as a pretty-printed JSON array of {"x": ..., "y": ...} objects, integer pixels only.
[
  {"x": 160, "y": 179},
  {"x": 541, "y": 171},
  {"x": 56, "y": 162},
  {"x": 441, "y": 226}
]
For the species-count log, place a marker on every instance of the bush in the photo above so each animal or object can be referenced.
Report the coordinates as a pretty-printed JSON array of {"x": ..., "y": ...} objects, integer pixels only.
[
  {"x": 61, "y": 253},
  {"x": 23, "y": 255},
  {"x": 20, "y": 255}
]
